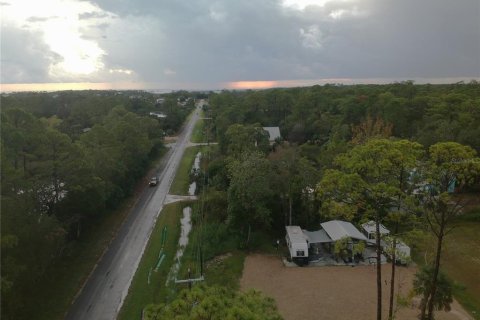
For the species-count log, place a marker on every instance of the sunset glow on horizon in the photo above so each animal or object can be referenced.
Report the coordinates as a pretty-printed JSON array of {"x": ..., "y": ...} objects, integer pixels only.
[{"x": 241, "y": 85}]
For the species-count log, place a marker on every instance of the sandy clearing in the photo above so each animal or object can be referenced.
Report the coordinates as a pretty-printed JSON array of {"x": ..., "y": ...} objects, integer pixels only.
[{"x": 330, "y": 292}]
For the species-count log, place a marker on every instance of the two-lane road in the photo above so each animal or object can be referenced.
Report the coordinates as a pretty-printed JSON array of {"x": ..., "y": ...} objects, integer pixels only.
[{"x": 104, "y": 292}]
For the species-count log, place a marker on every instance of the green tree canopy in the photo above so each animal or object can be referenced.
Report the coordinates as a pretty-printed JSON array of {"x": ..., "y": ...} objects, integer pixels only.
[{"x": 215, "y": 303}]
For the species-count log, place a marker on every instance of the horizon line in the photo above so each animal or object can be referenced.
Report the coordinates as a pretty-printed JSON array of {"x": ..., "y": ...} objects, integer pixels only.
[{"x": 232, "y": 85}]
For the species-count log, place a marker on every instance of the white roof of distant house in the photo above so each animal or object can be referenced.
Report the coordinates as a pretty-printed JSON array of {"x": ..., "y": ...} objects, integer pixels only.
[
  {"x": 273, "y": 133},
  {"x": 337, "y": 230},
  {"x": 295, "y": 234},
  {"x": 158, "y": 115},
  {"x": 369, "y": 227}
]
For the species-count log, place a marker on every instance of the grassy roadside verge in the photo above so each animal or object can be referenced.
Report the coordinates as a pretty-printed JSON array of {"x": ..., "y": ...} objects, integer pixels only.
[
  {"x": 51, "y": 296},
  {"x": 223, "y": 265},
  {"x": 198, "y": 132},
  {"x": 141, "y": 293},
  {"x": 182, "y": 177}
]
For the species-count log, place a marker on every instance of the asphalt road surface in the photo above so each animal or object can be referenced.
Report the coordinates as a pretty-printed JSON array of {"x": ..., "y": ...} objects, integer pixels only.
[{"x": 104, "y": 292}]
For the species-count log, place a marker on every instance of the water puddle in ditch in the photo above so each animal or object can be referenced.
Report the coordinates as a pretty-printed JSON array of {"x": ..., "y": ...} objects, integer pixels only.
[
  {"x": 196, "y": 166},
  {"x": 185, "y": 228},
  {"x": 186, "y": 225}
]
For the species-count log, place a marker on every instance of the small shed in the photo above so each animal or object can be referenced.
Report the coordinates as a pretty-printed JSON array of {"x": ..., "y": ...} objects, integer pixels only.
[{"x": 369, "y": 230}]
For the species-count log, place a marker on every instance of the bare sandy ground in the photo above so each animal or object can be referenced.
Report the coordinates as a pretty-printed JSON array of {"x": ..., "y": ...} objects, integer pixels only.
[{"x": 324, "y": 293}]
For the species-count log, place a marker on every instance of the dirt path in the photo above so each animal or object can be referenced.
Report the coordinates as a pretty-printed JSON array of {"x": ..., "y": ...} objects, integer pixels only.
[{"x": 330, "y": 292}]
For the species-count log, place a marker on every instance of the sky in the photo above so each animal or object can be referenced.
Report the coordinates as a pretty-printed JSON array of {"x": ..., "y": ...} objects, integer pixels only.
[{"x": 216, "y": 44}]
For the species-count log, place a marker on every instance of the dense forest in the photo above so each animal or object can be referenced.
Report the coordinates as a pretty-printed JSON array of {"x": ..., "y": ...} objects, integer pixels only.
[{"x": 68, "y": 158}]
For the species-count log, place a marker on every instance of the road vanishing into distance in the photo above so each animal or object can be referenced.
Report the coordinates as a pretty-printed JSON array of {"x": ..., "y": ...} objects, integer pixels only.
[{"x": 104, "y": 292}]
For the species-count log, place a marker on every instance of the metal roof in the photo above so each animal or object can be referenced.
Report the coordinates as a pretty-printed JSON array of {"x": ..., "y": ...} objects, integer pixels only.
[
  {"x": 295, "y": 234},
  {"x": 273, "y": 133},
  {"x": 337, "y": 230},
  {"x": 369, "y": 227},
  {"x": 319, "y": 236}
]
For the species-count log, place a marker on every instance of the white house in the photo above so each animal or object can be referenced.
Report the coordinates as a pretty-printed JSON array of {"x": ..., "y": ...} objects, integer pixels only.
[
  {"x": 273, "y": 133},
  {"x": 158, "y": 115}
]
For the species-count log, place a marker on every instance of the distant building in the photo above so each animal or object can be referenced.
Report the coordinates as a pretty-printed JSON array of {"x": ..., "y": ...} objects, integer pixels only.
[
  {"x": 322, "y": 240},
  {"x": 369, "y": 230},
  {"x": 273, "y": 133},
  {"x": 160, "y": 100},
  {"x": 158, "y": 115},
  {"x": 402, "y": 250}
]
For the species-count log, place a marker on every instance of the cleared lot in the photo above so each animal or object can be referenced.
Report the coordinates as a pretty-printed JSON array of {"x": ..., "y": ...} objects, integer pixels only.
[{"x": 330, "y": 292}]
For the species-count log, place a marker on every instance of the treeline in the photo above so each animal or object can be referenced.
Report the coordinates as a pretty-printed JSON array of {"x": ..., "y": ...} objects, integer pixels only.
[
  {"x": 67, "y": 159},
  {"x": 319, "y": 123},
  {"x": 324, "y": 115}
]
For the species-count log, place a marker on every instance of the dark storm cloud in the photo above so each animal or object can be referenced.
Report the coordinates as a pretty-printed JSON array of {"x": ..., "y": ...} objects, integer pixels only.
[{"x": 253, "y": 40}]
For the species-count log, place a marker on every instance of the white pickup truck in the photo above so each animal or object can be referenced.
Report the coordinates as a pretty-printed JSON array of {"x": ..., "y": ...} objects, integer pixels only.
[{"x": 153, "y": 181}]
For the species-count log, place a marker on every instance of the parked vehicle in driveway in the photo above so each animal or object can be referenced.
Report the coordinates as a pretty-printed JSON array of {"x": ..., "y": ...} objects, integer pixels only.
[{"x": 153, "y": 181}]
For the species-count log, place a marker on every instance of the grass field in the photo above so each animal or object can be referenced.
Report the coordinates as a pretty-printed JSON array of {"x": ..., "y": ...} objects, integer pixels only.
[
  {"x": 141, "y": 293},
  {"x": 461, "y": 260}
]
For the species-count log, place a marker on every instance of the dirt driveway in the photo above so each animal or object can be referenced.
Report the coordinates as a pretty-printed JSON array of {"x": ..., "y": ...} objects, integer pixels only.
[{"x": 324, "y": 293}]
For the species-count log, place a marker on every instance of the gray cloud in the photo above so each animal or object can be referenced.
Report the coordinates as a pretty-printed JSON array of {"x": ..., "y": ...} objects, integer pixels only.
[
  {"x": 213, "y": 41},
  {"x": 24, "y": 57},
  {"x": 256, "y": 40}
]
